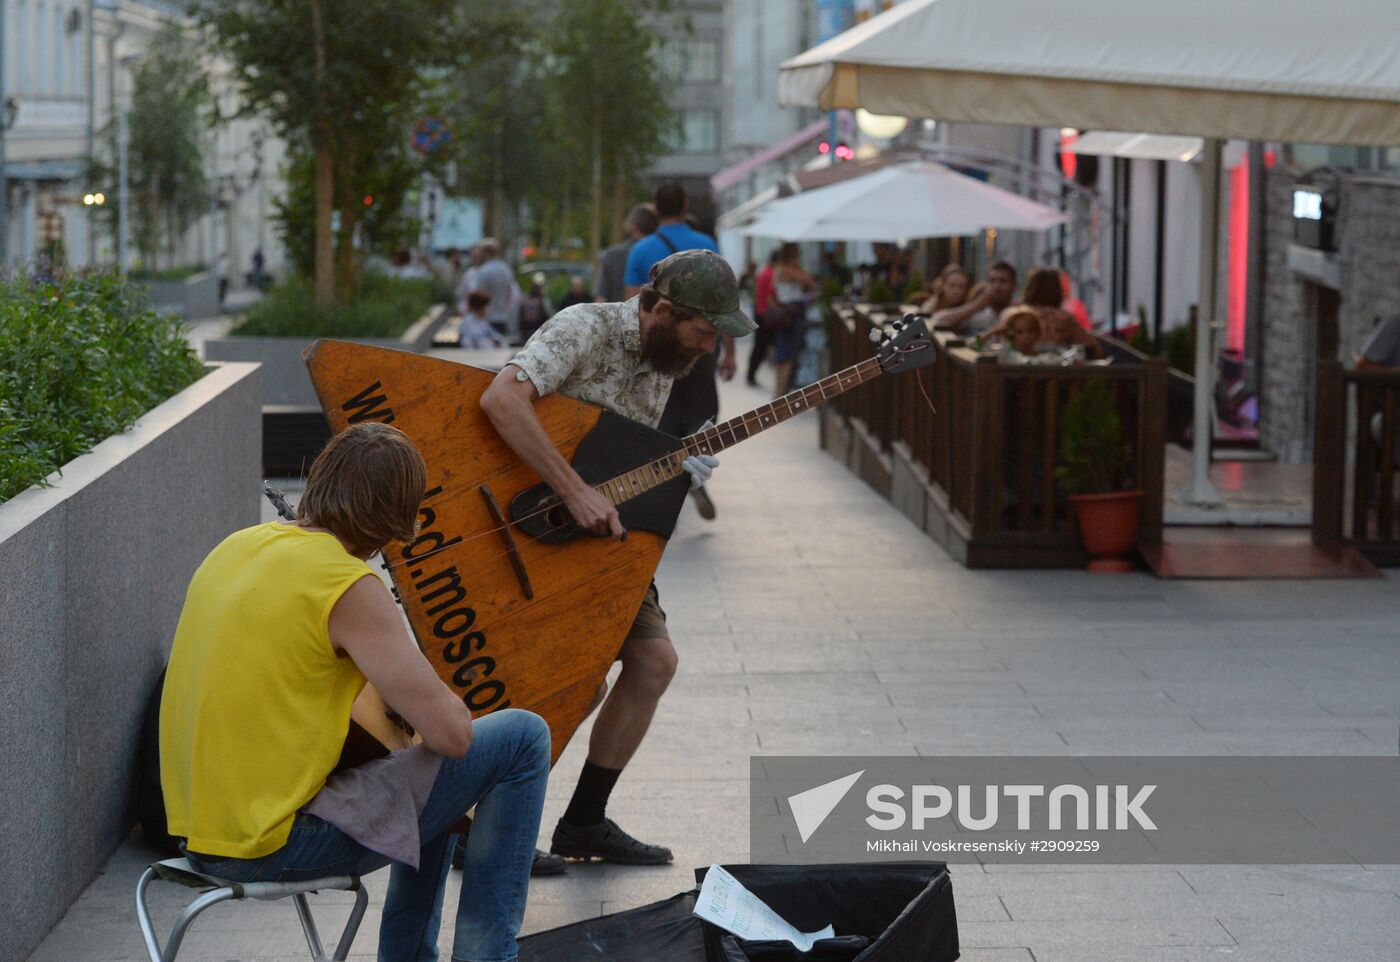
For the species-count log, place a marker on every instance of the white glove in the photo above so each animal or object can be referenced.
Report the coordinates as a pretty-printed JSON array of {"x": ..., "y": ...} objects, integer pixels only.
[{"x": 700, "y": 467}]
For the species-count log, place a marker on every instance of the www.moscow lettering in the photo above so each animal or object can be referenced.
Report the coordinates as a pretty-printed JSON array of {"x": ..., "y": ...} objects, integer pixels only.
[{"x": 437, "y": 588}]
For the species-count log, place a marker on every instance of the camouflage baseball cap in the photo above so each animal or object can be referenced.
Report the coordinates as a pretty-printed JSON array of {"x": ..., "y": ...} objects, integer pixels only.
[{"x": 703, "y": 282}]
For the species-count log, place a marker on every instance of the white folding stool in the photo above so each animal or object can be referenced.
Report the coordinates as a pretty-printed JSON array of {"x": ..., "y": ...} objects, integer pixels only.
[{"x": 215, "y": 890}]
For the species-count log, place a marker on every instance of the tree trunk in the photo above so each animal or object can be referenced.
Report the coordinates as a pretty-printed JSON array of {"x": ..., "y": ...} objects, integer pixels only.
[
  {"x": 346, "y": 274},
  {"x": 325, "y": 176},
  {"x": 619, "y": 208},
  {"x": 498, "y": 194},
  {"x": 595, "y": 207},
  {"x": 150, "y": 247},
  {"x": 325, "y": 240}
]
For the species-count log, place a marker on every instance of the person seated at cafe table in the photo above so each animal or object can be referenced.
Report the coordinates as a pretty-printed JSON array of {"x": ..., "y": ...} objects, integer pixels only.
[
  {"x": 1022, "y": 329},
  {"x": 985, "y": 303},
  {"x": 1062, "y": 330},
  {"x": 1045, "y": 292},
  {"x": 949, "y": 292}
]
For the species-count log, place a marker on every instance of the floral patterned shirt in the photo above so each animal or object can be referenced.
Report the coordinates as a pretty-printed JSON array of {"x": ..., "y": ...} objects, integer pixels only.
[{"x": 593, "y": 352}]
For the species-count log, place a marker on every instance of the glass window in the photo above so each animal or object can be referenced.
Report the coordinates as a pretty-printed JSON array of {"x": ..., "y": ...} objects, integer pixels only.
[
  {"x": 697, "y": 132},
  {"x": 691, "y": 61}
]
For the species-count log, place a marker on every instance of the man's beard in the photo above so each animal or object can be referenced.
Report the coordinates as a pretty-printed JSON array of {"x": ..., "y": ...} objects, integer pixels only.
[{"x": 663, "y": 351}]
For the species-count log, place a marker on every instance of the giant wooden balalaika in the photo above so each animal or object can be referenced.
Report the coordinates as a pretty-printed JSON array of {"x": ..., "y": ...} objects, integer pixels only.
[{"x": 513, "y": 604}]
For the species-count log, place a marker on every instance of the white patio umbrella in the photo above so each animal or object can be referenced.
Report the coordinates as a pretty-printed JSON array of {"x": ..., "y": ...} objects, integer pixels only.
[
  {"x": 1288, "y": 70},
  {"x": 919, "y": 199}
]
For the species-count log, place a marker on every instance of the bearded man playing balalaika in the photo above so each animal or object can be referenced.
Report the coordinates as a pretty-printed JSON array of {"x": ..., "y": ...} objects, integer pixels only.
[{"x": 623, "y": 357}]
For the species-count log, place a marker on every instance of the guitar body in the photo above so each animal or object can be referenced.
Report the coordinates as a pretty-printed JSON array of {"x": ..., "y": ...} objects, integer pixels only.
[{"x": 526, "y": 616}]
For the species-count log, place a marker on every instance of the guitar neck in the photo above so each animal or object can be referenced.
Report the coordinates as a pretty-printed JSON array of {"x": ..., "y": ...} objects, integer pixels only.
[{"x": 712, "y": 440}]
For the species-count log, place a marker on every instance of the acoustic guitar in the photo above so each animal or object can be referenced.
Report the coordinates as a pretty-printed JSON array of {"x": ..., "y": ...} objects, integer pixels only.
[{"x": 512, "y": 603}]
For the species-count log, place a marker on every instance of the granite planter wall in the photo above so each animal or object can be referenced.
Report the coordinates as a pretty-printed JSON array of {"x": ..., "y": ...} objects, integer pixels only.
[
  {"x": 194, "y": 298},
  {"x": 93, "y": 572},
  {"x": 285, "y": 380}
]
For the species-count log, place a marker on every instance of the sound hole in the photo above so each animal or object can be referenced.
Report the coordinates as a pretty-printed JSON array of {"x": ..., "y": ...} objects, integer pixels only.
[{"x": 557, "y": 517}]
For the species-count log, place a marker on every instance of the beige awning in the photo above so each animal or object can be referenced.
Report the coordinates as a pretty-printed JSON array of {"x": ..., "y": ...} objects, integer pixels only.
[
  {"x": 1112, "y": 143},
  {"x": 1290, "y": 70}
]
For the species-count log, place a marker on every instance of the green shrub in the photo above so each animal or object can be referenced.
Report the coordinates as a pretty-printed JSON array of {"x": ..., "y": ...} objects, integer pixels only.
[
  {"x": 385, "y": 307},
  {"x": 78, "y": 364},
  {"x": 1179, "y": 344},
  {"x": 879, "y": 292},
  {"x": 167, "y": 274},
  {"x": 1091, "y": 458},
  {"x": 555, "y": 289},
  {"x": 1141, "y": 341},
  {"x": 914, "y": 288}
]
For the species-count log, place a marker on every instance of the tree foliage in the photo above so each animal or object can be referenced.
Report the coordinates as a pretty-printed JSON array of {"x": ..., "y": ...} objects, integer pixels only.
[
  {"x": 610, "y": 98},
  {"x": 555, "y": 107},
  {"x": 557, "y": 114},
  {"x": 171, "y": 108},
  {"x": 491, "y": 96},
  {"x": 339, "y": 82}
]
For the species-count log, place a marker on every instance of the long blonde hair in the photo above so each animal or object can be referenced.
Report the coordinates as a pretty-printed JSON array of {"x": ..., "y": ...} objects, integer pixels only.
[{"x": 941, "y": 281}]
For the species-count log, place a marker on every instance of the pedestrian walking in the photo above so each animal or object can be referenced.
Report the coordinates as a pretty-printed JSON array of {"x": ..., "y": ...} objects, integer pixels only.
[
  {"x": 793, "y": 290},
  {"x": 577, "y": 293},
  {"x": 495, "y": 277},
  {"x": 534, "y": 308},
  {"x": 612, "y": 262},
  {"x": 762, "y": 298}
]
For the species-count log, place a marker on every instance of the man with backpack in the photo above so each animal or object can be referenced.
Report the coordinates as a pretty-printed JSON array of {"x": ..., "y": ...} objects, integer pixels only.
[{"x": 694, "y": 398}]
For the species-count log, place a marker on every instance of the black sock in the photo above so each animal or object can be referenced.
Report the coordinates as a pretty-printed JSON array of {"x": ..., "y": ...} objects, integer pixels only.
[{"x": 590, "y": 801}]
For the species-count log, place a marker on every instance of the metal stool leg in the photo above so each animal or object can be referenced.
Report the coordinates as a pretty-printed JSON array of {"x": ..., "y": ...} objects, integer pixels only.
[
  {"x": 187, "y": 917},
  {"x": 347, "y": 937}
]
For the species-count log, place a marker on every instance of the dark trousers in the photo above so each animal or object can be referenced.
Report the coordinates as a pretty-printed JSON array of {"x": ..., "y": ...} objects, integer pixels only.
[{"x": 762, "y": 341}]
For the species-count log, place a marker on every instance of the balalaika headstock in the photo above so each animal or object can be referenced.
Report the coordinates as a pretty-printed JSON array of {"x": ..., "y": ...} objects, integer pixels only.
[{"x": 904, "y": 345}]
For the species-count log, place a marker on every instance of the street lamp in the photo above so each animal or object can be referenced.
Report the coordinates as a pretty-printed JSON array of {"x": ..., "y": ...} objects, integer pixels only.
[
  {"x": 123, "y": 190},
  {"x": 7, "y": 120},
  {"x": 880, "y": 126}
]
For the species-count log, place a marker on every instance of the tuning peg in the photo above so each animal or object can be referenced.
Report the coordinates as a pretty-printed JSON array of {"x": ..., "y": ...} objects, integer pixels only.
[{"x": 876, "y": 335}]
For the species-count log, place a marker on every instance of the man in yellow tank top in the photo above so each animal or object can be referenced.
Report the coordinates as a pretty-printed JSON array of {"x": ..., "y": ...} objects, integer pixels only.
[{"x": 282, "y": 626}]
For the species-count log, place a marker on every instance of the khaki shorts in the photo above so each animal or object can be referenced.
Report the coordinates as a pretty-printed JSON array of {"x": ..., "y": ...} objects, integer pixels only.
[{"x": 651, "y": 620}]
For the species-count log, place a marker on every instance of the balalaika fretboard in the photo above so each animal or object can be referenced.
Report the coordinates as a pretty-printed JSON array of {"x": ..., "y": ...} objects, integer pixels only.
[{"x": 712, "y": 440}]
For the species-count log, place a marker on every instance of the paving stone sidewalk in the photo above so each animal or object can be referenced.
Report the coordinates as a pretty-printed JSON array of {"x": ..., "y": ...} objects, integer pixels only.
[{"x": 811, "y": 617}]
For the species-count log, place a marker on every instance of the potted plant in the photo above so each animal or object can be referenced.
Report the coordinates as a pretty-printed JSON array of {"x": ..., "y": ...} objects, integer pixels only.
[{"x": 1092, "y": 468}]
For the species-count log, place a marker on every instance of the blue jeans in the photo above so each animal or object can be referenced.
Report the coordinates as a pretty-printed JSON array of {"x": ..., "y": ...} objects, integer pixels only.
[{"x": 504, "y": 776}]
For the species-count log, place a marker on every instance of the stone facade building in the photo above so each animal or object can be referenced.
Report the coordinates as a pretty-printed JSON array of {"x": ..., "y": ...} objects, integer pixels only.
[
  {"x": 1321, "y": 304},
  {"x": 66, "y": 67}
]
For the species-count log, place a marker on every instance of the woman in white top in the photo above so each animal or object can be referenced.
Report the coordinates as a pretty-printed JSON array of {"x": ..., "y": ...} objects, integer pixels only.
[{"x": 792, "y": 290}]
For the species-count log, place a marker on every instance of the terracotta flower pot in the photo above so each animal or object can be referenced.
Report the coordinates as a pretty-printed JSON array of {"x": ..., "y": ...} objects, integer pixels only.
[{"x": 1108, "y": 523}]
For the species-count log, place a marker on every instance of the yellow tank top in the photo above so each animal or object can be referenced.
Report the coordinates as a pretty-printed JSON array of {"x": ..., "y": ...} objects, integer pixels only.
[{"x": 256, "y": 702}]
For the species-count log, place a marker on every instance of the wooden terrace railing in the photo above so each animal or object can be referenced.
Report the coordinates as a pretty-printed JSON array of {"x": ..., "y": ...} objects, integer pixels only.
[
  {"x": 1356, "y": 461},
  {"x": 984, "y": 456}
]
